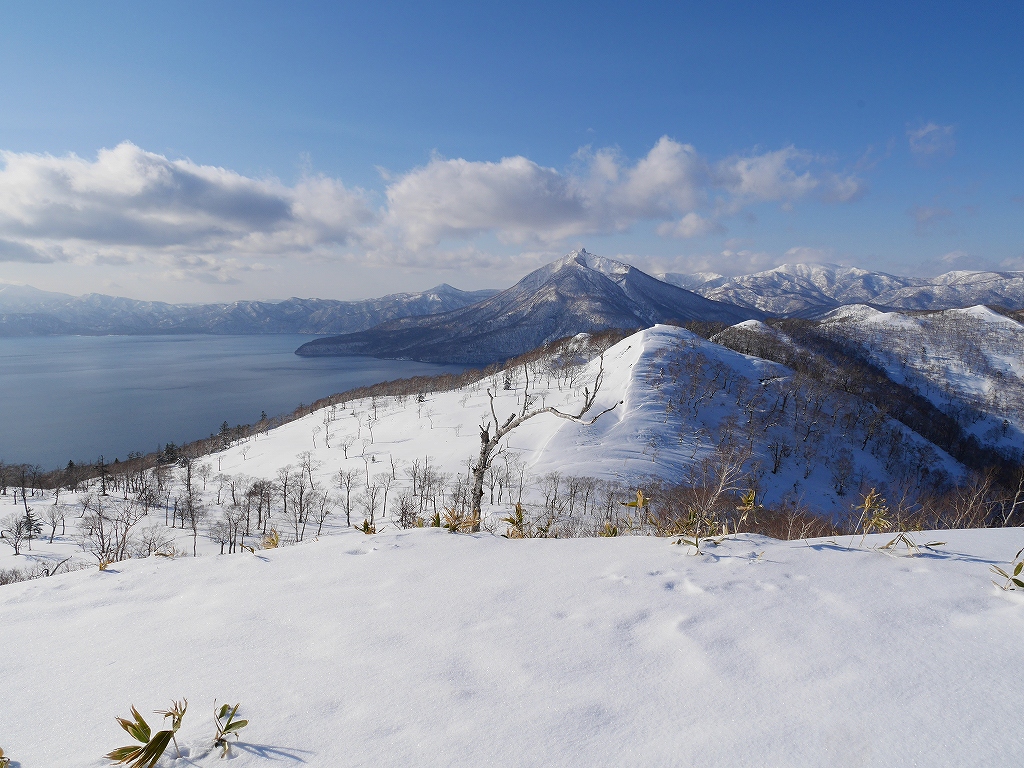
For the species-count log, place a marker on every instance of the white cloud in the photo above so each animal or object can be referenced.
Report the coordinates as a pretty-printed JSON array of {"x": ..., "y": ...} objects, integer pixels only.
[
  {"x": 955, "y": 257},
  {"x": 742, "y": 262},
  {"x": 932, "y": 139},
  {"x": 457, "y": 198},
  {"x": 839, "y": 188},
  {"x": 129, "y": 205},
  {"x": 196, "y": 222},
  {"x": 926, "y": 217},
  {"x": 1013, "y": 263},
  {"x": 769, "y": 177},
  {"x": 670, "y": 180},
  {"x": 691, "y": 225},
  {"x": 805, "y": 255},
  {"x": 522, "y": 202}
]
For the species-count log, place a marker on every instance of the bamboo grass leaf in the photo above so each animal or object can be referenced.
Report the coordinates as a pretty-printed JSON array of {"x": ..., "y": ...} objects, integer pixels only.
[{"x": 123, "y": 754}]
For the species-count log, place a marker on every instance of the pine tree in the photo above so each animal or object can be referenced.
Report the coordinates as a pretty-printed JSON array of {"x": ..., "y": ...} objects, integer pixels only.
[{"x": 32, "y": 527}]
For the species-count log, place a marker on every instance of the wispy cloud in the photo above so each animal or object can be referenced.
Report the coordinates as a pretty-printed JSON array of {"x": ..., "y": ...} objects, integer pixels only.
[
  {"x": 803, "y": 254},
  {"x": 932, "y": 140},
  {"x": 954, "y": 257},
  {"x": 926, "y": 217},
  {"x": 691, "y": 225}
]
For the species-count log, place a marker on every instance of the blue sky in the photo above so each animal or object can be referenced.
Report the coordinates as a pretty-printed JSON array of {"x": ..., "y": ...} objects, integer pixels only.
[{"x": 214, "y": 151}]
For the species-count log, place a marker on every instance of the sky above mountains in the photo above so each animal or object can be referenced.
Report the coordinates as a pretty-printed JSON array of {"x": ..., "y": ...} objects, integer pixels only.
[{"x": 199, "y": 152}]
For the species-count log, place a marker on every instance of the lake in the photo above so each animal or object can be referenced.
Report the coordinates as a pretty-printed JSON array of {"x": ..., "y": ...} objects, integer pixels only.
[{"x": 77, "y": 397}]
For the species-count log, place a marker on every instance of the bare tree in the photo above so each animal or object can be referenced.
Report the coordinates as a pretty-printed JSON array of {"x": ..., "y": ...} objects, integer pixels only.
[
  {"x": 153, "y": 539},
  {"x": 385, "y": 481},
  {"x": 347, "y": 442},
  {"x": 322, "y": 504},
  {"x": 370, "y": 499},
  {"x": 284, "y": 481},
  {"x": 778, "y": 449},
  {"x": 406, "y": 516},
  {"x": 308, "y": 465},
  {"x": 106, "y": 531},
  {"x": 367, "y": 458},
  {"x": 489, "y": 441},
  {"x": 14, "y": 531},
  {"x": 205, "y": 472},
  {"x": 842, "y": 471},
  {"x": 1012, "y": 500},
  {"x": 300, "y": 500},
  {"x": 347, "y": 480},
  {"x": 193, "y": 511},
  {"x": 55, "y": 515}
]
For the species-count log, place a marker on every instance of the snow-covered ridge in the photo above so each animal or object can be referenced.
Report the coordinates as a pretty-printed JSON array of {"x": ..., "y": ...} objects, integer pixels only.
[
  {"x": 969, "y": 361},
  {"x": 679, "y": 397},
  {"x": 800, "y": 288}
]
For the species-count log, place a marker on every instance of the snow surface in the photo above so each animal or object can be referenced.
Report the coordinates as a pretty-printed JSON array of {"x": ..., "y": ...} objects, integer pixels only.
[
  {"x": 425, "y": 648},
  {"x": 431, "y": 649}
]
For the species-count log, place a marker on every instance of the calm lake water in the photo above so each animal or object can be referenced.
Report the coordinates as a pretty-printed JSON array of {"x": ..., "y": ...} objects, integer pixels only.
[{"x": 76, "y": 397}]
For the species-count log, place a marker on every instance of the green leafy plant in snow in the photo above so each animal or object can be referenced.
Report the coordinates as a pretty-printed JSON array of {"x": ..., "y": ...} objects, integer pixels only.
[
  {"x": 1014, "y": 579},
  {"x": 151, "y": 745},
  {"x": 226, "y": 726}
]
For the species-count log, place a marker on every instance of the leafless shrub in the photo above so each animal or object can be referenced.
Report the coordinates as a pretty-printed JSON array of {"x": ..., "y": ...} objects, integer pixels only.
[
  {"x": 107, "y": 531},
  {"x": 406, "y": 509},
  {"x": 152, "y": 540}
]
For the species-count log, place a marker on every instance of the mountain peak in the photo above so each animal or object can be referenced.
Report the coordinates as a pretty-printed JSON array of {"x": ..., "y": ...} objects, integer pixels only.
[
  {"x": 573, "y": 258},
  {"x": 579, "y": 292}
]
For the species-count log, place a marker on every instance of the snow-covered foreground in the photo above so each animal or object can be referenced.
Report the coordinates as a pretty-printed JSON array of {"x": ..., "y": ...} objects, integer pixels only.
[{"x": 426, "y": 648}]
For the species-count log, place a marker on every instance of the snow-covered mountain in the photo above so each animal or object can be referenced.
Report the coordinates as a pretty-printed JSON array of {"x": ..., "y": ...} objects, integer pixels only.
[
  {"x": 27, "y": 311},
  {"x": 969, "y": 362},
  {"x": 795, "y": 289},
  {"x": 578, "y": 293},
  {"x": 682, "y": 398},
  {"x": 953, "y": 377}
]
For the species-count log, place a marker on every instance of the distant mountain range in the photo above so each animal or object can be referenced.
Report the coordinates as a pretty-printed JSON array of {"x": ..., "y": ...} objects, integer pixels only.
[
  {"x": 27, "y": 311},
  {"x": 578, "y": 293},
  {"x": 806, "y": 289}
]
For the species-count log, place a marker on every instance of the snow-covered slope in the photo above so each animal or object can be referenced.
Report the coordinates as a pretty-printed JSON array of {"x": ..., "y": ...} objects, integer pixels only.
[
  {"x": 967, "y": 361},
  {"x": 427, "y": 649},
  {"x": 578, "y": 293},
  {"x": 682, "y": 397},
  {"x": 424, "y": 648},
  {"x": 690, "y": 281},
  {"x": 793, "y": 289}
]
